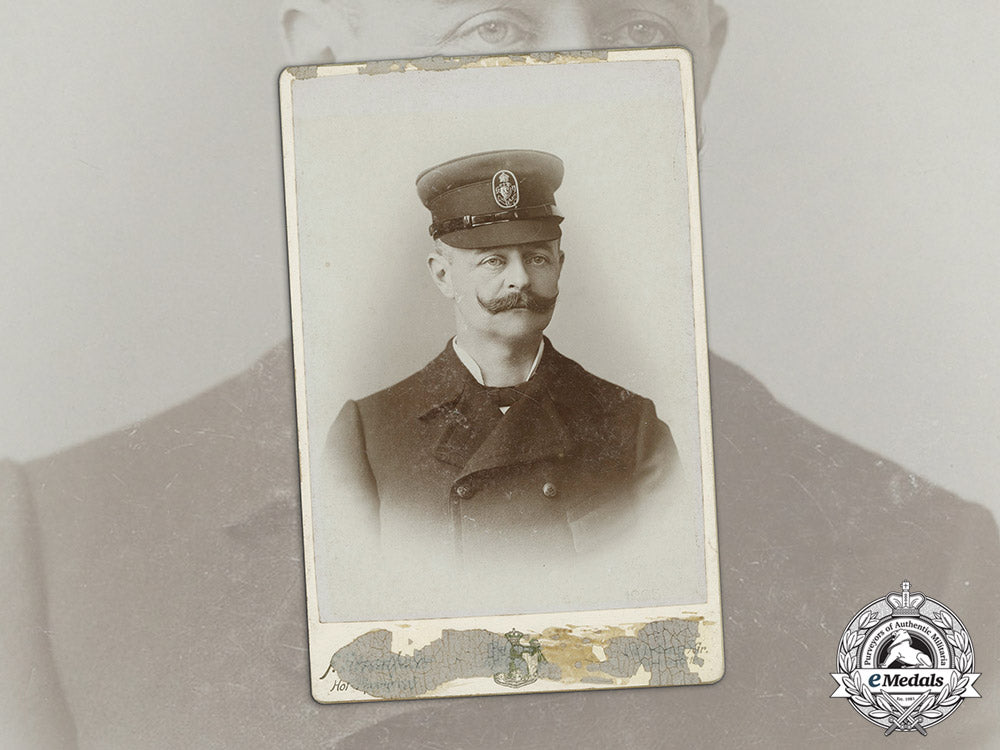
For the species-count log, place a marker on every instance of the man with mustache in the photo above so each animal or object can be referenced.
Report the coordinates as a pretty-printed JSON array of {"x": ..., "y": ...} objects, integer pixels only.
[{"x": 500, "y": 438}]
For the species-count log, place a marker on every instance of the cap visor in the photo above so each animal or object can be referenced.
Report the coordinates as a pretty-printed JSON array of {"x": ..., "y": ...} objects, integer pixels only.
[{"x": 517, "y": 232}]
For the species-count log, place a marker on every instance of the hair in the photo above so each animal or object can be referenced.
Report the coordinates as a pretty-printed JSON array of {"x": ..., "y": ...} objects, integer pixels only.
[{"x": 443, "y": 248}]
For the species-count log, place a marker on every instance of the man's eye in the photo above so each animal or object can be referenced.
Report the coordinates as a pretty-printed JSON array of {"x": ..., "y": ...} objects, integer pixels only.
[
  {"x": 506, "y": 30},
  {"x": 640, "y": 31},
  {"x": 493, "y": 261},
  {"x": 538, "y": 260},
  {"x": 495, "y": 32}
]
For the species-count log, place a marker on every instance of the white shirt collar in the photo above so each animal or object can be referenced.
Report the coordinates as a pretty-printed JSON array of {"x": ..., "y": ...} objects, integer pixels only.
[{"x": 471, "y": 366}]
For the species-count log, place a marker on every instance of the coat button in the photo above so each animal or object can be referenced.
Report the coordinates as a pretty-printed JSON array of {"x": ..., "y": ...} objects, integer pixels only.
[
  {"x": 550, "y": 490},
  {"x": 464, "y": 491}
]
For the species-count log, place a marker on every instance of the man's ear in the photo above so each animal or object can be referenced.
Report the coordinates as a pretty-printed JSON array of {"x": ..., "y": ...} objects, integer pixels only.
[
  {"x": 440, "y": 268},
  {"x": 315, "y": 31}
]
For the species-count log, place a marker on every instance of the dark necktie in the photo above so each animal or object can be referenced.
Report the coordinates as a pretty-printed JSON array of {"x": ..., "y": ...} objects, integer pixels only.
[{"x": 506, "y": 396}]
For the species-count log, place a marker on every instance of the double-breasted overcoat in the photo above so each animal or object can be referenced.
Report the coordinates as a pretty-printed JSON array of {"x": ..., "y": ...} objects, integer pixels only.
[{"x": 567, "y": 467}]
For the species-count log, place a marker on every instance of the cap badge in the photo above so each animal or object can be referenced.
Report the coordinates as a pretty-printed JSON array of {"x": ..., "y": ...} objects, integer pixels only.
[{"x": 505, "y": 189}]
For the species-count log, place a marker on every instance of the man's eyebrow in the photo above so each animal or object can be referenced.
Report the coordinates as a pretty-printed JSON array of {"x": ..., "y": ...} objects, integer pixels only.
[{"x": 538, "y": 247}]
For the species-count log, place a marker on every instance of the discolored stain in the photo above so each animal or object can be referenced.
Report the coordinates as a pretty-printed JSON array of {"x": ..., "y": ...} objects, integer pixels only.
[{"x": 440, "y": 62}]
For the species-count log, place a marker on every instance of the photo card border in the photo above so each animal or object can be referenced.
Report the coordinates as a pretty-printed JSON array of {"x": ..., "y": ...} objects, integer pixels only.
[{"x": 531, "y": 653}]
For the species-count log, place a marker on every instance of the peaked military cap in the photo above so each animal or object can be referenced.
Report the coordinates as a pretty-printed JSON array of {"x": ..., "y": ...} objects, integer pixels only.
[{"x": 493, "y": 198}]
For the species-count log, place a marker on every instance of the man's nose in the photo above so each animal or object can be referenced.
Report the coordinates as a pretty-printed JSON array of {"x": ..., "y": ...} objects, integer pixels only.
[
  {"x": 567, "y": 26},
  {"x": 516, "y": 275}
]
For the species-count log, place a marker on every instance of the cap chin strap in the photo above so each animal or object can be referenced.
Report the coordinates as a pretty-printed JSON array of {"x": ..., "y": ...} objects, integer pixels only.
[{"x": 447, "y": 226}]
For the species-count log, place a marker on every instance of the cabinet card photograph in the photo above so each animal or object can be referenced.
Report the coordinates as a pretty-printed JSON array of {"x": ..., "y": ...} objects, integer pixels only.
[{"x": 501, "y": 374}]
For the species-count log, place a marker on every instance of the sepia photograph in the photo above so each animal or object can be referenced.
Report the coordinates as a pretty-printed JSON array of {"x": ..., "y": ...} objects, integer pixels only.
[{"x": 499, "y": 329}]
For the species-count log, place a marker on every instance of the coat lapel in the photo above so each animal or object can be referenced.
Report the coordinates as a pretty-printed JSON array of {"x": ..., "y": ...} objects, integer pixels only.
[
  {"x": 466, "y": 423},
  {"x": 453, "y": 405},
  {"x": 531, "y": 431},
  {"x": 473, "y": 435}
]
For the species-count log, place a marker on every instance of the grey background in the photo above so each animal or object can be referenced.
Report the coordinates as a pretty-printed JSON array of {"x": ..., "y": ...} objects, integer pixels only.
[
  {"x": 849, "y": 176},
  {"x": 142, "y": 221}
]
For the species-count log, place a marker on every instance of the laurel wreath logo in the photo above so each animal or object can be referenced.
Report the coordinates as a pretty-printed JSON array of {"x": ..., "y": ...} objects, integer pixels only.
[
  {"x": 847, "y": 657},
  {"x": 882, "y": 706}
]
